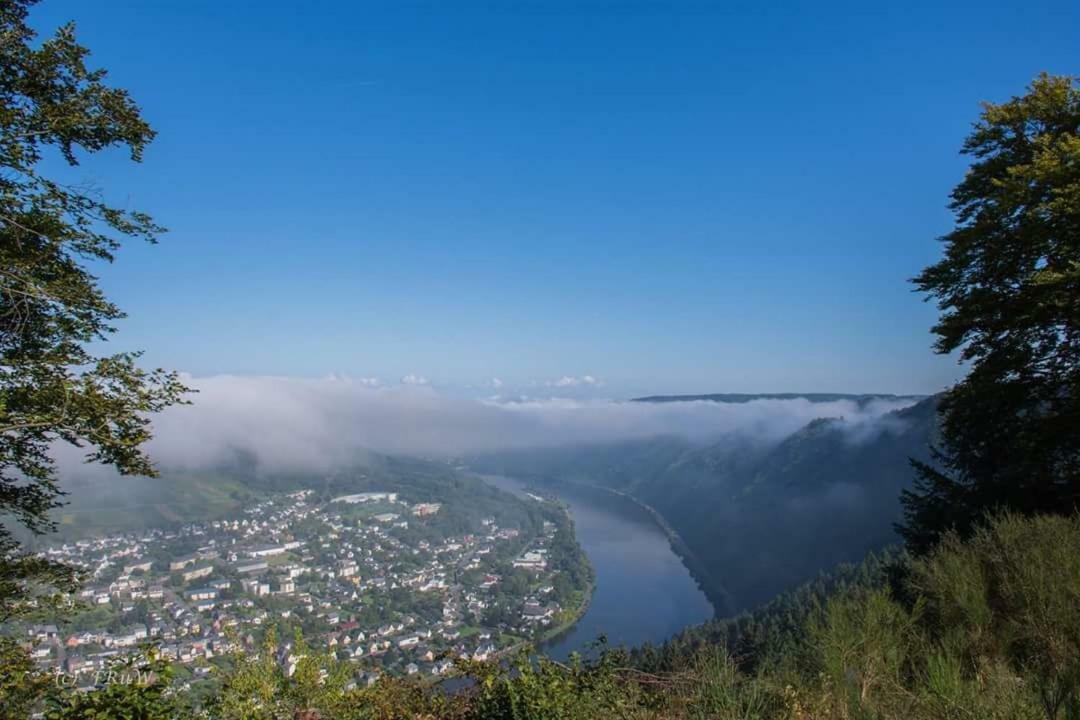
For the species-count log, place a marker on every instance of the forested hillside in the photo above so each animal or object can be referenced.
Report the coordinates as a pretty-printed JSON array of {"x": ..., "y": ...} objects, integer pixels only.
[
  {"x": 758, "y": 517},
  {"x": 773, "y": 636}
]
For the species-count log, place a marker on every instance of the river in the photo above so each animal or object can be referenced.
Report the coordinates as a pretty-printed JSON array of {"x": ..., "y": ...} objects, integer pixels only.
[{"x": 643, "y": 591}]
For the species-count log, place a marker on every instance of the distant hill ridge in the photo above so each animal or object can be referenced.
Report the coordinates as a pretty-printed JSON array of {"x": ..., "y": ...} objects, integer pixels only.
[{"x": 749, "y": 397}]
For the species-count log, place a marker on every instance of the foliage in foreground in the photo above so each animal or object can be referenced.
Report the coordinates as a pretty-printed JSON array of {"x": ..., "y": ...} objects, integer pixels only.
[
  {"x": 772, "y": 637},
  {"x": 981, "y": 628},
  {"x": 1008, "y": 288},
  {"x": 54, "y": 388}
]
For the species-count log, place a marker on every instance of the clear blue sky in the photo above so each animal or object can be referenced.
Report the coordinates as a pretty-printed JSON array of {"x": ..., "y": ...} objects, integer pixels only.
[{"x": 672, "y": 197}]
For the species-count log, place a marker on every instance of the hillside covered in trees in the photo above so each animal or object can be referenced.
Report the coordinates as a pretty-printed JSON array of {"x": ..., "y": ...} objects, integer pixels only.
[{"x": 758, "y": 517}]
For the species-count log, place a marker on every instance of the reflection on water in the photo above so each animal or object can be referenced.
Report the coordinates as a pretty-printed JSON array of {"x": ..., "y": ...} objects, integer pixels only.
[{"x": 643, "y": 592}]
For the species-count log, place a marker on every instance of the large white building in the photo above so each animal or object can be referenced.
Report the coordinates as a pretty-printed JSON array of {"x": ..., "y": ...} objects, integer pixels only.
[{"x": 365, "y": 497}]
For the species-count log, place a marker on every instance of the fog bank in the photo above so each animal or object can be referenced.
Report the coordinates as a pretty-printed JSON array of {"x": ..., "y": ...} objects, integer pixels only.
[{"x": 289, "y": 423}]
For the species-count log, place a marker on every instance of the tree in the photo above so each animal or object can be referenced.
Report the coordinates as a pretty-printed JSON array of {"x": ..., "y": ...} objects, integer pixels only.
[
  {"x": 1008, "y": 288},
  {"x": 864, "y": 646},
  {"x": 260, "y": 688},
  {"x": 22, "y": 683},
  {"x": 53, "y": 388},
  {"x": 133, "y": 689}
]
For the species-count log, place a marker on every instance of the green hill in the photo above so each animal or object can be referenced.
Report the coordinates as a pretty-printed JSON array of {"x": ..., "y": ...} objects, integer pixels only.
[{"x": 758, "y": 518}]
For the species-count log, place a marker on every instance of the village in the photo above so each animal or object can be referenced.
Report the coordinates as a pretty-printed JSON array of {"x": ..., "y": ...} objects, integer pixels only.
[{"x": 359, "y": 575}]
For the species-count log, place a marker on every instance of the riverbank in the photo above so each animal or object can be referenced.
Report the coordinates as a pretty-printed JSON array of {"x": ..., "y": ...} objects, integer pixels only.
[
  {"x": 586, "y": 590},
  {"x": 718, "y": 596},
  {"x": 552, "y": 634},
  {"x": 643, "y": 591}
]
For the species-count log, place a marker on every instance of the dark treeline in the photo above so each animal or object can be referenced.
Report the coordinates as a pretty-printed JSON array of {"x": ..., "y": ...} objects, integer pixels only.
[{"x": 774, "y": 634}]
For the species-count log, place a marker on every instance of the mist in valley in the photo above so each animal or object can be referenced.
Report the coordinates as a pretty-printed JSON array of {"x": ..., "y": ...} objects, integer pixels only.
[{"x": 317, "y": 425}]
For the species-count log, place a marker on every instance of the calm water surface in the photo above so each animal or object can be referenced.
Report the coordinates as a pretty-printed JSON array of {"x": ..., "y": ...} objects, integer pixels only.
[{"x": 643, "y": 592}]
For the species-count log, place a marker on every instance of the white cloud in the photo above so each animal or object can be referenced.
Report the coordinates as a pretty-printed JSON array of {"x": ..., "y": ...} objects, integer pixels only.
[
  {"x": 412, "y": 379},
  {"x": 571, "y": 381},
  {"x": 345, "y": 378},
  {"x": 318, "y": 424},
  {"x": 496, "y": 383}
]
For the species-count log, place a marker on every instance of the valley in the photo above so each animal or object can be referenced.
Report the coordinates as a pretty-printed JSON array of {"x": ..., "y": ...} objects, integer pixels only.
[
  {"x": 643, "y": 591},
  {"x": 396, "y": 564},
  {"x": 757, "y": 517},
  {"x": 388, "y": 578},
  {"x": 434, "y": 361}
]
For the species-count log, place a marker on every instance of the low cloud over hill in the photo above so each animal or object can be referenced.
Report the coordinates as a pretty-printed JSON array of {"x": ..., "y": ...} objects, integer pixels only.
[{"x": 314, "y": 424}]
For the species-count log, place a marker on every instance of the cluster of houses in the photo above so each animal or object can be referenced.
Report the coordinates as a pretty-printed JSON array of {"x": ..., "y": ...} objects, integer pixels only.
[{"x": 201, "y": 591}]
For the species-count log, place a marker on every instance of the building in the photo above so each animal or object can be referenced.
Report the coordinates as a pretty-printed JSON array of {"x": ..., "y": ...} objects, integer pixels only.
[
  {"x": 366, "y": 497},
  {"x": 44, "y": 633},
  {"x": 535, "y": 611},
  {"x": 196, "y": 573},
  {"x": 182, "y": 562},
  {"x": 207, "y": 593},
  {"x": 255, "y": 587},
  {"x": 532, "y": 560},
  {"x": 143, "y": 566},
  {"x": 265, "y": 551},
  {"x": 251, "y": 568}
]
